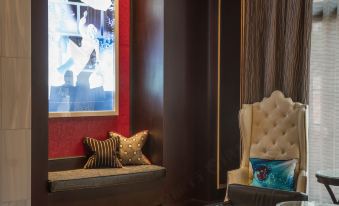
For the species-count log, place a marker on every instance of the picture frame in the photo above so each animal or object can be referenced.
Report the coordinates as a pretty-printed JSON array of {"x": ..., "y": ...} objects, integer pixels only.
[{"x": 83, "y": 41}]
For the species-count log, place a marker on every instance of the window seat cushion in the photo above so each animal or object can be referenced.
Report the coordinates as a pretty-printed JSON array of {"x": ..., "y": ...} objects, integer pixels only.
[{"x": 94, "y": 178}]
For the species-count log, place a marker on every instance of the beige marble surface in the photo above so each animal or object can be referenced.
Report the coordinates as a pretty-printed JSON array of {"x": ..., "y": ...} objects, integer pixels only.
[
  {"x": 15, "y": 161},
  {"x": 16, "y": 93},
  {"x": 15, "y": 102},
  {"x": 17, "y": 203},
  {"x": 15, "y": 32}
]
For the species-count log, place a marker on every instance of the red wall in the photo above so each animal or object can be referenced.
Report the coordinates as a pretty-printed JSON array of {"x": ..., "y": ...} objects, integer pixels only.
[{"x": 66, "y": 134}]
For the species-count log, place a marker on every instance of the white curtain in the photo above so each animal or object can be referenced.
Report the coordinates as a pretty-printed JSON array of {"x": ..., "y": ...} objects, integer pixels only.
[{"x": 324, "y": 96}]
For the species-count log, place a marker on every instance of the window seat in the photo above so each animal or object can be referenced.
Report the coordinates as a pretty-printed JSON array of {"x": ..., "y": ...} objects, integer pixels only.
[{"x": 95, "y": 178}]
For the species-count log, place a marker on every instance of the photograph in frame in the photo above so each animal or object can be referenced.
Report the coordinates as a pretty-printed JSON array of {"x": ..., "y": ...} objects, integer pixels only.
[{"x": 83, "y": 51}]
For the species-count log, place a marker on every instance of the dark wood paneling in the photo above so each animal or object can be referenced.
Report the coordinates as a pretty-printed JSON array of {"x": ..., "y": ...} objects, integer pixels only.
[
  {"x": 186, "y": 98},
  {"x": 229, "y": 95},
  {"x": 191, "y": 30},
  {"x": 39, "y": 102},
  {"x": 179, "y": 148},
  {"x": 229, "y": 86},
  {"x": 178, "y": 101},
  {"x": 141, "y": 194},
  {"x": 147, "y": 74},
  {"x": 210, "y": 193},
  {"x": 148, "y": 193},
  {"x": 66, "y": 163},
  {"x": 187, "y": 120}
]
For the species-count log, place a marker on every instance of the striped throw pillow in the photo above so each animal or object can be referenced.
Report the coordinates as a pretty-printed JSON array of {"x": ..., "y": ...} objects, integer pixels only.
[{"x": 103, "y": 153}]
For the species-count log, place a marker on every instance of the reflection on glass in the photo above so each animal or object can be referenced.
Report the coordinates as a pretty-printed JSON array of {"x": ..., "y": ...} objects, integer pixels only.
[{"x": 81, "y": 55}]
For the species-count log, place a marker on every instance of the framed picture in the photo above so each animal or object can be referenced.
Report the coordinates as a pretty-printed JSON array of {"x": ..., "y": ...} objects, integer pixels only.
[{"x": 83, "y": 58}]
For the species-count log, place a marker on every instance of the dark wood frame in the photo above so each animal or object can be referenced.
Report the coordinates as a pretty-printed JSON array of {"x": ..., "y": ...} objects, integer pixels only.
[
  {"x": 145, "y": 194},
  {"x": 179, "y": 112},
  {"x": 69, "y": 163},
  {"x": 39, "y": 117},
  {"x": 115, "y": 110},
  {"x": 228, "y": 89},
  {"x": 127, "y": 194}
]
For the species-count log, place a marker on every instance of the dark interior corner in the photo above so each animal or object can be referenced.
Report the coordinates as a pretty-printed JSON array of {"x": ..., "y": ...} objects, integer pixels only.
[
  {"x": 168, "y": 102},
  {"x": 173, "y": 83}
]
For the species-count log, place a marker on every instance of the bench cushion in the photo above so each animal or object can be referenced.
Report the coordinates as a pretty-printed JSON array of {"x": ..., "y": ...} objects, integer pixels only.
[{"x": 94, "y": 178}]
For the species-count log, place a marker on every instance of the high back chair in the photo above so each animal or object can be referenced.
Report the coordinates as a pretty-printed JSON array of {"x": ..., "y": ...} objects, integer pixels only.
[{"x": 273, "y": 129}]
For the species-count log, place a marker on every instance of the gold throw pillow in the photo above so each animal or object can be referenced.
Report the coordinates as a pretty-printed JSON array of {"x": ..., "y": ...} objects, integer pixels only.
[{"x": 130, "y": 149}]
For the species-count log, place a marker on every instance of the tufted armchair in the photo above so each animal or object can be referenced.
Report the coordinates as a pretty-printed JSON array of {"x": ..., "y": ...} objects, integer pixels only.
[{"x": 275, "y": 129}]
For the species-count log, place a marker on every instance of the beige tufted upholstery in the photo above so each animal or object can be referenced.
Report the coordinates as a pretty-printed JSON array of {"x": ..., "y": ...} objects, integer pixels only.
[{"x": 275, "y": 129}]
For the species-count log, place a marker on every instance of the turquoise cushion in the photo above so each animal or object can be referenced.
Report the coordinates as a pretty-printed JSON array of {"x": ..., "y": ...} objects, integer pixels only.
[{"x": 274, "y": 174}]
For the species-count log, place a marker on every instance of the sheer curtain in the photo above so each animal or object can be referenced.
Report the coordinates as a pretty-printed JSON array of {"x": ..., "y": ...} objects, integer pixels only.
[{"x": 324, "y": 95}]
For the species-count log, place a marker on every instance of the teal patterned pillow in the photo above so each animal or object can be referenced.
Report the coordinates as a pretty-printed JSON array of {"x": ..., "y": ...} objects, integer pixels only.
[{"x": 274, "y": 174}]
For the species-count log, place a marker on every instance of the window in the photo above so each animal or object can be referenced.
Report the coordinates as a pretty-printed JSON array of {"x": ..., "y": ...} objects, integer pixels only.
[{"x": 324, "y": 95}]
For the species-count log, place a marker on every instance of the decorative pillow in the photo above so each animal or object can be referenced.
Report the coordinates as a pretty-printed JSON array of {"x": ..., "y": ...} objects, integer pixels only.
[
  {"x": 130, "y": 149},
  {"x": 104, "y": 154},
  {"x": 274, "y": 174}
]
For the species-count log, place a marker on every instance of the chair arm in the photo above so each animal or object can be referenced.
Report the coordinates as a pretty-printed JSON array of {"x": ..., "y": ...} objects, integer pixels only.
[
  {"x": 238, "y": 176},
  {"x": 302, "y": 181}
]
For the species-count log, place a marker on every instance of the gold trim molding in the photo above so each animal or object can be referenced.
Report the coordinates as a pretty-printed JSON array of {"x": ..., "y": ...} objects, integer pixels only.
[
  {"x": 219, "y": 186},
  {"x": 242, "y": 43}
]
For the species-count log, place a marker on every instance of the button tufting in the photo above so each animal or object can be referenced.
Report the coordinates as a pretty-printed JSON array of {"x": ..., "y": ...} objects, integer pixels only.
[{"x": 284, "y": 133}]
